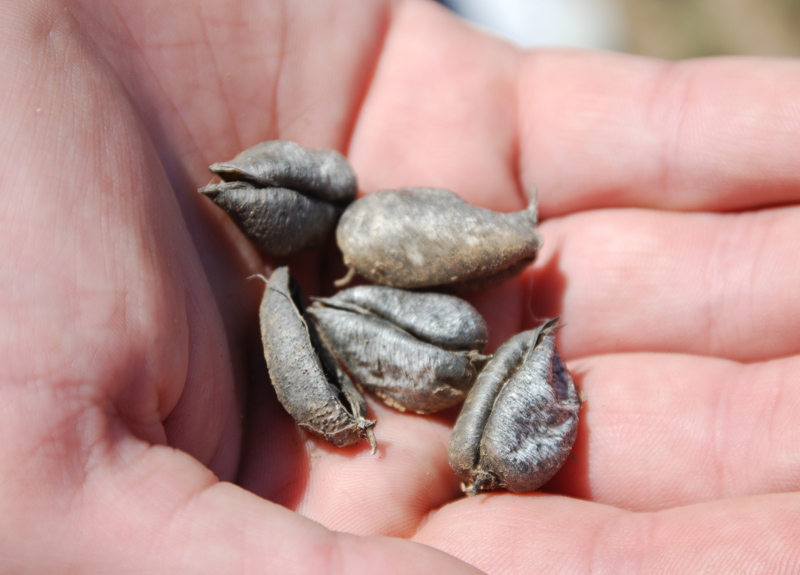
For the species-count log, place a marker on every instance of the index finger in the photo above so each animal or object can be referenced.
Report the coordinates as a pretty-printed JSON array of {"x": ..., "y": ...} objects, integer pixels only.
[
  {"x": 608, "y": 130},
  {"x": 450, "y": 107}
]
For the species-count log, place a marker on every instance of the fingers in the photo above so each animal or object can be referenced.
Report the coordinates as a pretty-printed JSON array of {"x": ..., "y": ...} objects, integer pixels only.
[
  {"x": 660, "y": 430},
  {"x": 719, "y": 285},
  {"x": 544, "y": 534},
  {"x": 440, "y": 111},
  {"x": 452, "y": 108},
  {"x": 657, "y": 431},
  {"x": 605, "y": 130}
]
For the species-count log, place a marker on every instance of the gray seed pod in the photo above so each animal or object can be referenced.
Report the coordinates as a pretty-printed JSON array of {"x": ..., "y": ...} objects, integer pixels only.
[
  {"x": 322, "y": 173},
  {"x": 416, "y": 351},
  {"x": 278, "y": 221},
  {"x": 306, "y": 378},
  {"x": 425, "y": 237},
  {"x": 519, "y": 422},
  {"x": 282, "y": 196}
]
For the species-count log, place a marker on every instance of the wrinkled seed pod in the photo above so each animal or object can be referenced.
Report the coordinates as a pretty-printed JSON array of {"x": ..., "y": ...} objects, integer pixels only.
[
  {"x": 519, "y": 422},
  {"x": 444, "y": 320},
  {"x": 319, "y": 172},
  {"x": 416, "y": 351},
  {"x": 284, "y": 197},
  {"x": 306, "y": 378},
  {"x": 424, "y": 237},
  {"x": 278, "y": 221}
]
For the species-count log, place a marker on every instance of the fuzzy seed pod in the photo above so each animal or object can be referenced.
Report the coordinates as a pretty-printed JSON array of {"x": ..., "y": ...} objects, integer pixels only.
[
  {"x": 284, "y": 197},
  {"x": 519, "y": 422},
  {"x": 425, "y": 237},
  {"x": 306, "y": 377},
  {"x": 416, "y": 351}
]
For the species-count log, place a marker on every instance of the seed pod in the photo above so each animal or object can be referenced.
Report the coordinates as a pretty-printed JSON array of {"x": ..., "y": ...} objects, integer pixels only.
[
  {"x": 306, "y": 378},
  {"x": 282, "y": 196},
  {"x": 519, "y": 422},
  {"x": 425, "y": 237},
  {"x": 416, "y": 351},
  {"x": 322, "y": 173},
  {"x": 278, "y": 221}
]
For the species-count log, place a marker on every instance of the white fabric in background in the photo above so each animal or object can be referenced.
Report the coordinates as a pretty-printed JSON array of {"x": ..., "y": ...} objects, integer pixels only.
[{"x": 580, "y": 23}]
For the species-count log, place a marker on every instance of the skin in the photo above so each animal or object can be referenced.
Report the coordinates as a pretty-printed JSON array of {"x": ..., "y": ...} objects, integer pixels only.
[{"x": 138, "y": 431}]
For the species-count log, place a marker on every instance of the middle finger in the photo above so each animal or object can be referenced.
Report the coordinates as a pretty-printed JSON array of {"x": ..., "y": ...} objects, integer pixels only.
[{"x": 640, "y": 280}]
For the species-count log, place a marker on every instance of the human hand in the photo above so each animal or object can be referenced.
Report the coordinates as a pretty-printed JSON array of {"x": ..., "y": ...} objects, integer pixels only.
[
  {"x": 669, "y": 193},
  {"x": 129, "y": 330}
]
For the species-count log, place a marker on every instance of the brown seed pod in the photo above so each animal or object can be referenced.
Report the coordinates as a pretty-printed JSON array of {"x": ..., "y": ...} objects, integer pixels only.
[
  {"x": 424, "y": 237},
  {"x": 416, "y": 351},
  {"x": 306, "y": 377},
  {"x": 282, "y": 196},
  {"x": 520, "y": 419}
]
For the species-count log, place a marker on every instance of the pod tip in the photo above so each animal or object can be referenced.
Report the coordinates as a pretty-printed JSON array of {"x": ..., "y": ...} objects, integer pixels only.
[
  {"x": 211, "y": 191},
  {"x": 533, "y": 202},
  {"x": 351, "y": 273}
]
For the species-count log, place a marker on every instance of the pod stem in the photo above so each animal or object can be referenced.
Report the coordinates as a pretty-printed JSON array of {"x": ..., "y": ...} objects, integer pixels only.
[
  {"x": 263, "y": 277},
  {"x": 533, "y": 202},
  {"x": 351, "y": 273},
  {"x": 372, "y": 441}
]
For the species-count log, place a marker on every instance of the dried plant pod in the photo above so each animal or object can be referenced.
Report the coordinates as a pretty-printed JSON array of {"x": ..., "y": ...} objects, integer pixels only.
[
  {"x": 282, "y": 196},
  {"x": 307, "y": 380},
  {"x": 520, "y": 419},
  {"x": 319, "y": 172},
  {"x": 425, "y": 237},
  {"x": 416, "y": 351},
  {"x": 278, "y": 221}
]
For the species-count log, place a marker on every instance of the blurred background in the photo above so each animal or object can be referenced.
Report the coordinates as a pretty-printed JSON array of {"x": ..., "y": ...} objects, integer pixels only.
[{"x": 671, "y": 29}]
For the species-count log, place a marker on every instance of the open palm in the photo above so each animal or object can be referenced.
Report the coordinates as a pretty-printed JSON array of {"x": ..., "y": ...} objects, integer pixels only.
[{"x": 139, "y": 433}]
